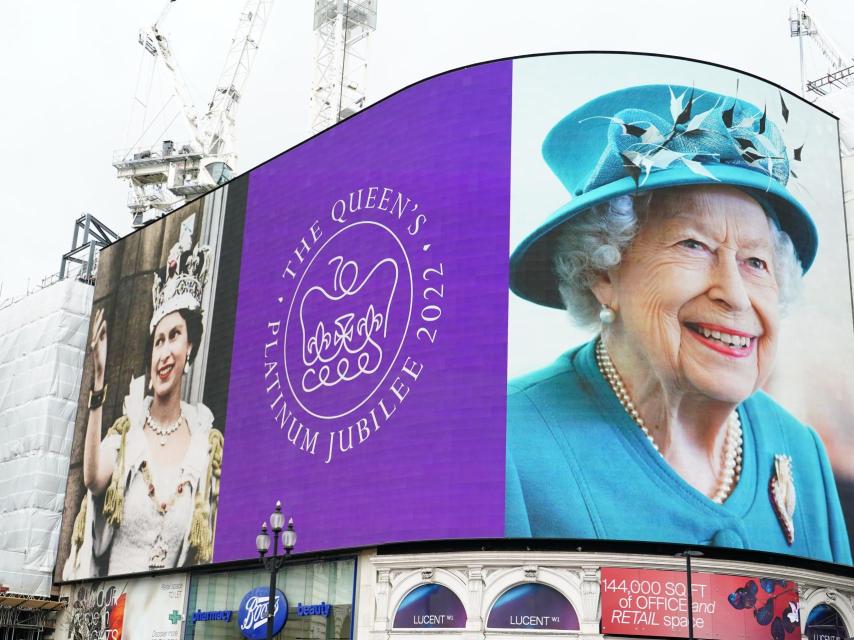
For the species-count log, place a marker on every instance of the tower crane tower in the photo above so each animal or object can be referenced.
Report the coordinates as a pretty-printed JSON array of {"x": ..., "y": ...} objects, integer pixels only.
[
  {"x": 342, "y": 31},
  {"x": 835, "y": 89},
  {"x": 162, "y": 177}
]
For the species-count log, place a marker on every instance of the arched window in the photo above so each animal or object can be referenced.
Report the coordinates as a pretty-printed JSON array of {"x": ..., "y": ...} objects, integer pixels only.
[
  {"x": 532, "y": 606},
  {"x": 430, "y": 606},
  {"x": 825, "y": 623}
]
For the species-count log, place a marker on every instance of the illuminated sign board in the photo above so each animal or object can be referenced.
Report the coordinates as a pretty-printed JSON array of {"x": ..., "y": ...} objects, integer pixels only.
[
  {"x": 430, "y": 606},
  {"x": 382, "y": 310},
  {"x": 642, "y": 602},
  {"x": 533, "y": 606},
  {"x": 146, "y": 607},
  {"x": 825, "y": 623},
  {"x": 321, "y": 609},
  {"x": 253, "y": 610},
  {"x": 207, "y": 616}
]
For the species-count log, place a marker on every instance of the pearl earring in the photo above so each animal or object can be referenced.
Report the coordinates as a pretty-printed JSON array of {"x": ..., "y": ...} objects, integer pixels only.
[
  {"x": 151, "y": 384},
  {"x": 607, "y": 315},
  {"x": 187, "y": 366}
]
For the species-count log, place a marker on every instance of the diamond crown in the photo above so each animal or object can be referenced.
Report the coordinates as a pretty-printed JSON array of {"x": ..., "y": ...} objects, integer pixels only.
[{"x": 184, "y": 277}]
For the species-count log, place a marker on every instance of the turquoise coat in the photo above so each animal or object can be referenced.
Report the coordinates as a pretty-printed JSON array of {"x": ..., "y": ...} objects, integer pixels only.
[{"x": 579, "y": 467}]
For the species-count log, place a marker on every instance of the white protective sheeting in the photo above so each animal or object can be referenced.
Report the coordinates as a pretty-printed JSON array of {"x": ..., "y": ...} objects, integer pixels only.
[{"x": 42, "y": 347}]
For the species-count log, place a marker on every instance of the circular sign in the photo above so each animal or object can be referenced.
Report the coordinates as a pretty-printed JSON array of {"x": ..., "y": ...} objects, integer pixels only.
[
  {"x": 252, "y": 614},
  {"x": 348, "y": 318}
]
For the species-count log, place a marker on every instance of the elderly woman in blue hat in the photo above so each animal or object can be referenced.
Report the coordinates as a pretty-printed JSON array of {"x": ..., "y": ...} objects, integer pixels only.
[{"x": 682, "y": 246}]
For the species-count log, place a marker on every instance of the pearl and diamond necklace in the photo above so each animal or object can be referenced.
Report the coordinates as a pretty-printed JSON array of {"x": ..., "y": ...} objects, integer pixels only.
[
  {"x": 163, "y": 430},
  {"x": 731, "y": 466}
]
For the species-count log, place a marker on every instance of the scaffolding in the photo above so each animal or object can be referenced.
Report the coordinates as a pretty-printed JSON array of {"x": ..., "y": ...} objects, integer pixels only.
[
  {"x": 28, "y": 617},
  {"x": 90, "y": 236}
]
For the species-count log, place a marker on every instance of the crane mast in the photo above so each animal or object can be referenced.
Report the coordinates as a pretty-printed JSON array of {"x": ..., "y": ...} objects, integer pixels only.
[
  {"x": 835, "y": 89},
  {"x": 841, "y": 66},
  {"x": 156, "y": 43},
  {"x": 342, "y": 31},
  {"x": 219, "y": 122},
  {"x": 162, "y": 177}
]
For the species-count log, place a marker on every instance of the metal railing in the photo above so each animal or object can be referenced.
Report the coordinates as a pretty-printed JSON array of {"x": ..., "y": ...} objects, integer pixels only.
[{"x": 163, "y": 151}]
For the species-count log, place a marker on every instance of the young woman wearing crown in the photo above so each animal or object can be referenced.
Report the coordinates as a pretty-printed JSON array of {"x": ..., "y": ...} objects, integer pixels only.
[{"x": 153, "y": 481}]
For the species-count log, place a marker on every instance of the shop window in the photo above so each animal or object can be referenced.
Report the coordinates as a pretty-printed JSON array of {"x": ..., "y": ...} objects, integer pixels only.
[
  {"x": 825, "y": 623},
  {"x": 320, "y": 601},
  {"x": 430, "y": 606},
  {"x": 533, "y": 606}
]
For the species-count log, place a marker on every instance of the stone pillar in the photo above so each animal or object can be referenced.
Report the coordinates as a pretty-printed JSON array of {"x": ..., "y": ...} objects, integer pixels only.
[
  {"x": 475, "y": 603},
  {"x": 590, "y": 613},
  {"x": 381, "y": 596}
]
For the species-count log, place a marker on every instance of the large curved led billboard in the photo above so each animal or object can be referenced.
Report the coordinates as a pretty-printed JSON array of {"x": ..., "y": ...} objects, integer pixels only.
[{"x": 581, "y": 296}]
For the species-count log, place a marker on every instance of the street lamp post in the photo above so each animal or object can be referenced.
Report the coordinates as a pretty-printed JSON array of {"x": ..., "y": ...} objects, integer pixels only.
[
  {"x": 688, "y": 554},
  {"x": 274, "y": 561}
]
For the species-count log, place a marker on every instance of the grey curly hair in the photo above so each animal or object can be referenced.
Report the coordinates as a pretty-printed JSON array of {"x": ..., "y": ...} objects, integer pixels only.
[{"x": 594, "y": 241}]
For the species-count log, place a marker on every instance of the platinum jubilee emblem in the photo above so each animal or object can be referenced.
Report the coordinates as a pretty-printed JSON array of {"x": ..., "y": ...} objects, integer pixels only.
[{"x": 360, "y": 290}]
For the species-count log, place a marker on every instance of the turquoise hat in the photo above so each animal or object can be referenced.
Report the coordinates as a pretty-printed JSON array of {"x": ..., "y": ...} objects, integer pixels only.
[{"x": 653, "y": 137}]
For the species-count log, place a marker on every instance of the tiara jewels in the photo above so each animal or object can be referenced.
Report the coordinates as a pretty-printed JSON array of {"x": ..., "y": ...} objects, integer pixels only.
[{"x": 186, "y": 274}]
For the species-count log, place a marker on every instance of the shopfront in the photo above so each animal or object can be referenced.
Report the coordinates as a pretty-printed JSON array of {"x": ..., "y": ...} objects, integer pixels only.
[
  {"x": 318, "y": 597},
  {"x": 145, "y": 608},
  {"x": 514, "y": 595}
]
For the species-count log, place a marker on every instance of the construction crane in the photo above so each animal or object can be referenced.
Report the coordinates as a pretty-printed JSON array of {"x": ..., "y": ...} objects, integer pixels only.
[
  {"x": 162, "y": 177},
  {"x": 841, "y": 73},
  {"x": 835, "y": 89},
  {"x": 342, "y": 30}
]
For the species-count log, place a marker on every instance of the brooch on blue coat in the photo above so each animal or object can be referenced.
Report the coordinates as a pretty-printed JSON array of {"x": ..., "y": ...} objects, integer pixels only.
[{"x": 782, "y": 490}]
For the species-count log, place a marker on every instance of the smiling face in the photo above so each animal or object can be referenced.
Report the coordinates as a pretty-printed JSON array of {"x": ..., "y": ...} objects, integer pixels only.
[
  {"x": 696, "y": 298},
  {"x": 171, "y": 349}
]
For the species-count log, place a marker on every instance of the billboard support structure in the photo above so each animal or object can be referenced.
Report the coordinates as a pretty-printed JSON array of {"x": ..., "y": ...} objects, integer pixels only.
[{"x": 95, "y": 236}]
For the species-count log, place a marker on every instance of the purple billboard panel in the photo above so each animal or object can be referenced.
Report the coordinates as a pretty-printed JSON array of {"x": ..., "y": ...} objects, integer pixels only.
[
  {"x": 370, "y": 354},
  {"x": 533, "y": 606},
  {"x": 430, "y": 606}
]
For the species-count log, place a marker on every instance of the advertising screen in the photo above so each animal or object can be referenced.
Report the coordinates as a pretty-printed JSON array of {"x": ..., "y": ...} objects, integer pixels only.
[
  {"x": 646, "y": 602},
  {"x": 513, "y": 300},
  {"x": 141, "y": 608}
]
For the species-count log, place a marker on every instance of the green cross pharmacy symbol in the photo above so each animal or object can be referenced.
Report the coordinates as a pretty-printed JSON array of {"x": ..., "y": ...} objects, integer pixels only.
[{"x": 174, "y": 617}]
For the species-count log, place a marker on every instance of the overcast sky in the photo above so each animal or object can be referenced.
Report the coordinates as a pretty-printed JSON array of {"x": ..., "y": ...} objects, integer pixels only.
[{"x": 70, "y": 70}]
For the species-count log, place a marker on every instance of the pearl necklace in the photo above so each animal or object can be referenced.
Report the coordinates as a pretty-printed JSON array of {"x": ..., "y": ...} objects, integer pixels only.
[
  {"x": 162, "y": 430},
  {"x": 732, "y": 454}
]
